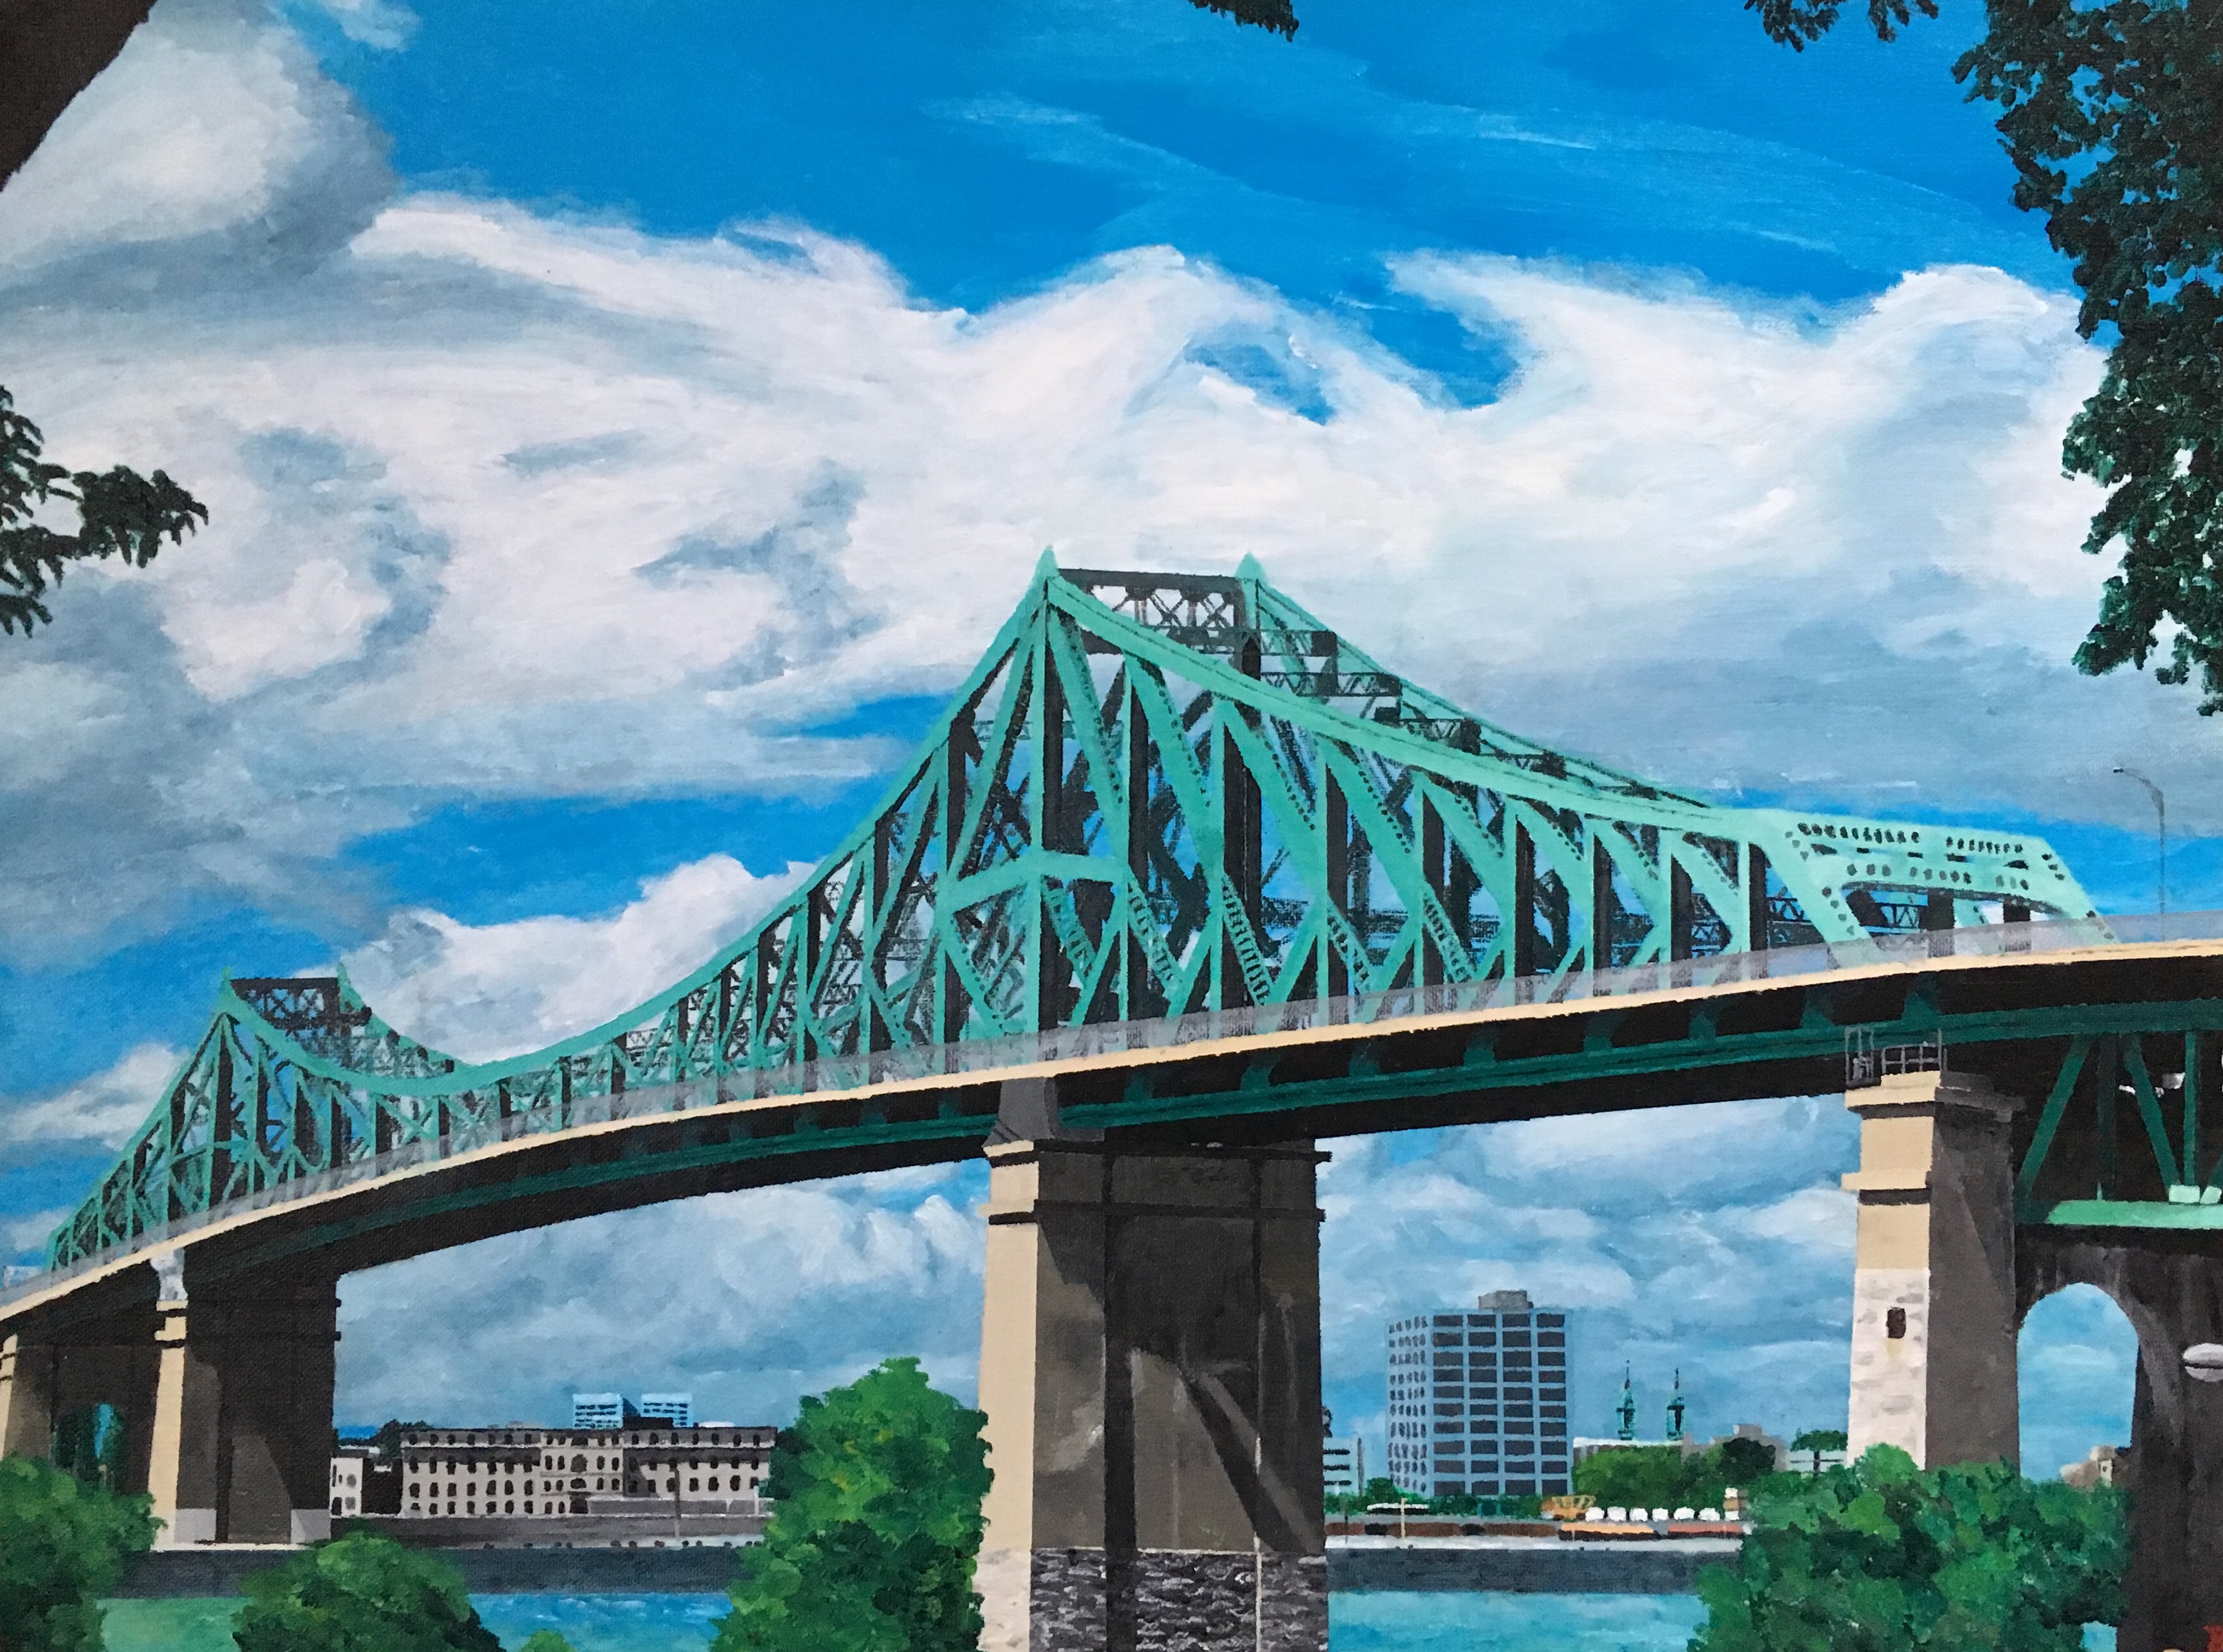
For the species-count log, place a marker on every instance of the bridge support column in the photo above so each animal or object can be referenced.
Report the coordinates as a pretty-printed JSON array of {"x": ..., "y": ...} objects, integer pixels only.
[
  {"x": 2170, "y": 1288},
  {"x": 1933, "y": 1311},
  {"x": 242, "y": 1425},
  {"x": 27, "y": 1396},
  {"x": 50, "y": 1373},
  {"x": 1150, "y": 1370}
]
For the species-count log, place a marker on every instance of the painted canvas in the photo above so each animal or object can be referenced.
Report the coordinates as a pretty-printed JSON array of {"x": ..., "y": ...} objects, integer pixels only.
[{"x": 1347, "y": 785}]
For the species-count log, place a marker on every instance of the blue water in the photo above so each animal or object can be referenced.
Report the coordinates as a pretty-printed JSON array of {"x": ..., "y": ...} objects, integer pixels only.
[
  {"x": 1357, "y": 1623},
  {"x": 1510, "y": 1623},
  {"x": 606, "y": 1622}
]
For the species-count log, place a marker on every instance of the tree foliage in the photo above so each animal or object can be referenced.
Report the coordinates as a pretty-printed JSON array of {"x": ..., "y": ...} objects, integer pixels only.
[
  {"x": 63, "y": 1545},
  {"x": 362, "y": 1592},
  {"x": 877, "y": 1492},
  {"x": 1276, "y": 17},
  {"x": 1882, "y": 1555},
  {"x": 1664, "y": 1476},
  {"x": 119, "y": 513},
  {"x": 2112, "y": 113}
]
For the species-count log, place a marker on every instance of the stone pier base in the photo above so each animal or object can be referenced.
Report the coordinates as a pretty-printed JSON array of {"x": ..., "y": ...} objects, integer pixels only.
[{"x": 1179, "y": 1600}]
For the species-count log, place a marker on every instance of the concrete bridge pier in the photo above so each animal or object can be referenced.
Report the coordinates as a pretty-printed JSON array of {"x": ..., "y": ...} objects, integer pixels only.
[
  {"x": 225, "y": 1397},
  {"x": 243, "y": 1413},
  {"x": 1150, "y": 1370},
  {"x": 2170, "y": 1288},
  {"x": 1934, "y": 1314},
  {"x": 45, "y": 1379}
]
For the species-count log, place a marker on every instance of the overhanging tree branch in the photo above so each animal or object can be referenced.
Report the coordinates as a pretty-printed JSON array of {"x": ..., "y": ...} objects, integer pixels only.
[{"x": 120, "y": 513}]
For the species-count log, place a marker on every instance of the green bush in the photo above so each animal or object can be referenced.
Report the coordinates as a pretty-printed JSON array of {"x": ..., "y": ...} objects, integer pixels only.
[
  {"x": 362, "y": 1592},
  {"x": 63, "y": 1545},
  {"x": 875, "y": 1523},
  {"x": 1661, "y": 1476},
  {"x": 1883, "y": 1556},
  {"x": 545, "y": 1640},
  {"x": 1636, "y": 1476}
]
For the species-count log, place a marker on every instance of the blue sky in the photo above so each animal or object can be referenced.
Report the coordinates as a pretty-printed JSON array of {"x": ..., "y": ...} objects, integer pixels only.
[{"x": 624, "y": 424}]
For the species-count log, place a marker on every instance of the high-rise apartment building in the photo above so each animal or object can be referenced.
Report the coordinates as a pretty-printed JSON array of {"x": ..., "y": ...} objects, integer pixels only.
[{"x": 1478, "y": 1400}]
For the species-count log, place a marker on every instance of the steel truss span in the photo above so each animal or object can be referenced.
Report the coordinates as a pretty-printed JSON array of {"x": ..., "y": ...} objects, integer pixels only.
[{"x": 1159, "y": 797}]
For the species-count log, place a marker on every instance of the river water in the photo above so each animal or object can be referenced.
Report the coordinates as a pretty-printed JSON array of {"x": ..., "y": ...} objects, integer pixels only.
[{"x": 1357, "y": 1623}]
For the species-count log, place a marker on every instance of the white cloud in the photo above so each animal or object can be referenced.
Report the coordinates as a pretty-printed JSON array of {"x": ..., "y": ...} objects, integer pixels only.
[
  {"x": 214, "y": 120},
  {"x": 760, "y": 1297},
  {"x": 499, "y": 989},
  {"x": 1712, "y": 1240},
  {"x": 25, "y": 1236},
  {"x": 99, "y": 1112},
  {"x": 383, "y": 23}
]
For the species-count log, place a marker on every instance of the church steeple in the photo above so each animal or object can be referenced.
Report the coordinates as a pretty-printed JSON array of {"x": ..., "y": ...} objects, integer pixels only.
[
  {"x": 1628, "y": 1407},
  {"x": 1675, "y": 1409}
]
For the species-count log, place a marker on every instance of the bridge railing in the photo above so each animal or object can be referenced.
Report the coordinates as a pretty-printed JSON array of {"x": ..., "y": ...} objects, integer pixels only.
[{"x": 1066, "y": 1045}]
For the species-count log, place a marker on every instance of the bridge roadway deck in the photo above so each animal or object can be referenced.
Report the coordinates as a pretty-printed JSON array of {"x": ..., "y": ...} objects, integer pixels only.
[{"x": 2008, "y": 1015}]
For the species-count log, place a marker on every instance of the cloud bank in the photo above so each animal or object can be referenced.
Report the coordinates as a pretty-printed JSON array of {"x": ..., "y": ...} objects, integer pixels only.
[
  {"x": 500, "y": 989},
  {"x": 508, "y": 504}
]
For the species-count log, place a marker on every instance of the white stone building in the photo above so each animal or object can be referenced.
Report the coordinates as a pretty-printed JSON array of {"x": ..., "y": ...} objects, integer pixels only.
[{"x": 519, "y": 1470}]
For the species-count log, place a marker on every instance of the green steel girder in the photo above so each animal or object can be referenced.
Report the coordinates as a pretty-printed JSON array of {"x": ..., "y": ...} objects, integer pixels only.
[
  {"x": 2109, "y": 1083},
  {"x": 1156, "y": 794}
]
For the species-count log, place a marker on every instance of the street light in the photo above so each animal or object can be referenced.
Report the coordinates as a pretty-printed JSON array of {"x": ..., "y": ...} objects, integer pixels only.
[{"x": 2161, "y": 835}]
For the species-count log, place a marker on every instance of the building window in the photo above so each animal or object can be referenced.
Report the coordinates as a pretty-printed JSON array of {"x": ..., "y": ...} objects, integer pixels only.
[{"x": 1895, "y": 1323}]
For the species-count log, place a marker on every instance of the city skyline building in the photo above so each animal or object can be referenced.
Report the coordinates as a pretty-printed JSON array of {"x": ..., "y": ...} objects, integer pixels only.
[
  {"x": 1343, "y": 1466},
  {"x": 602, "y": 1412},
  {"x": 1478, "y": 1400},
  {"x": 677, "y": 1410}
]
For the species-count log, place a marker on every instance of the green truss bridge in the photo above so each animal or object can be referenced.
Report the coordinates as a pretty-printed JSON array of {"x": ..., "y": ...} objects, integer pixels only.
[{"x": 1182, "y": 871}]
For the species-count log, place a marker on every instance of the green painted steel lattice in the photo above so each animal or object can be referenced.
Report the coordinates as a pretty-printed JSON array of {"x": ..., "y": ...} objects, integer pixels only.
[{"x": 1156, "y": 794}]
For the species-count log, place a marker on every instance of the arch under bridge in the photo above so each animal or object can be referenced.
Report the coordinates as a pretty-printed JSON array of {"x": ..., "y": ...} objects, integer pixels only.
[{"x": 1182, "y": 882}]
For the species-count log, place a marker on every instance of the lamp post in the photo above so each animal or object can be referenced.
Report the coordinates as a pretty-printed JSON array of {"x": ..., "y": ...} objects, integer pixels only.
[{"x": 2160, "y": 836}]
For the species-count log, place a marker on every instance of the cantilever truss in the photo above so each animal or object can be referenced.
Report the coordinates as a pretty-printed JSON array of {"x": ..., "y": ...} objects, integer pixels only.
[{"x": 1157, "y": 793}]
